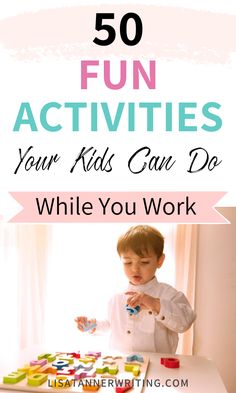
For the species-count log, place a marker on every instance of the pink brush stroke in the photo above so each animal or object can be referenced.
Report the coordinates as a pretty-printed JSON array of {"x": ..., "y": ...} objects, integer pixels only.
[
  {"x": 170, "y": 33},
  {"x": 204, "y": 207}
]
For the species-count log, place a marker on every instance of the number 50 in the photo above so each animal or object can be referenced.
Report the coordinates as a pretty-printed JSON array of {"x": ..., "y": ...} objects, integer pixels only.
[{"x": 99, "y": 25}]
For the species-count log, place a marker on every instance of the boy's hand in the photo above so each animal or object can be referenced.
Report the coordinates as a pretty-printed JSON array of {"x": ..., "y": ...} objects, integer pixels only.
[
  {"x": 82, "y": 322},
  {"x": 146, "y": 302}
]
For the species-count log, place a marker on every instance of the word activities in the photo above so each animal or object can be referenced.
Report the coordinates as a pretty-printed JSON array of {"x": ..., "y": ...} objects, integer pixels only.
[{"x": 76, "y": 372}]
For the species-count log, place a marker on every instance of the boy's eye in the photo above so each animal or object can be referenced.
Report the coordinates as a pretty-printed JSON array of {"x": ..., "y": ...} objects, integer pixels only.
[{"x": 145, "y": 262}]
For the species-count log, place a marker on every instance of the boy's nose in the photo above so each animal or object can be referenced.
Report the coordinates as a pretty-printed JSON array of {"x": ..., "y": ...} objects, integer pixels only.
[{"x": 135, "y": 268}]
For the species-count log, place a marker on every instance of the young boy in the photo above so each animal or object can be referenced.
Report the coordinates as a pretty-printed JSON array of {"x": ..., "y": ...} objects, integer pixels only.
[{"x": 164, "y": 312}]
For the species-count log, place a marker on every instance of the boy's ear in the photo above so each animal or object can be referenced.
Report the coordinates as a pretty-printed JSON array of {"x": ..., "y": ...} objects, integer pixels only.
[{"x": 160, "y": 261}]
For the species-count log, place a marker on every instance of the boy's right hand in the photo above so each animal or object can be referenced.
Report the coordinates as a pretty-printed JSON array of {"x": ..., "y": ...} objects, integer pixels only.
[{"x": 83, "y": 321}]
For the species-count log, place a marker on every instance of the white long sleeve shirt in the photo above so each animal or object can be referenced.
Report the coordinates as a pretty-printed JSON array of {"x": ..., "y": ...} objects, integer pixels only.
[{"x": 147, "y": 331}]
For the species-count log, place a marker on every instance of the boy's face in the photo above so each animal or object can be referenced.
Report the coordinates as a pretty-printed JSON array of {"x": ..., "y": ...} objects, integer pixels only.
[{"x": 140, "y": 269}]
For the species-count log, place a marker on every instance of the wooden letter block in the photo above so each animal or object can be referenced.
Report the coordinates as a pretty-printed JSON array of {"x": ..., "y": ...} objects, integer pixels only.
[
  {"x": 95, "y": 354},
  {"x": 135, "y": 357},
  {"x": 33, "y": 370},
  {"x": 85, "y": 374},
  {"x": 91, "y": 387},
  {"x": 47, "y": 369},
  {"x": 66, "y": 371},
  {"x": 59, "y": 364},
  {"x": 123, "y": 389},
  {"x": 67, "y": 358},
  {"x": 170, "y": 362},
  {"x": 133, "y": 368},
  {"x": 49, "y": 356},
  {"x": 29, "y": 369},
  {"x": 88, "y": 359},
  {"x": 111, "y": 369},
  {"x": 61, "y": 382},
  {"x": 14, "y": 377},
  {"x": 37, "y": 379},
  {"x": 40, "y": 362},
  {"x": 74, "y": 354}
]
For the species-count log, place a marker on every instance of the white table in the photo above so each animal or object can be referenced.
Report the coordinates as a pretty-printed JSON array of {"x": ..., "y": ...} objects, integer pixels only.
[
  {"x": 200, "y": 373},
  {"x": 195, "y": 375}
]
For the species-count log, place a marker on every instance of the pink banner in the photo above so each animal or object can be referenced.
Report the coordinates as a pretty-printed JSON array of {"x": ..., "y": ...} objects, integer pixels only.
[{"x": 179, "y": 207}]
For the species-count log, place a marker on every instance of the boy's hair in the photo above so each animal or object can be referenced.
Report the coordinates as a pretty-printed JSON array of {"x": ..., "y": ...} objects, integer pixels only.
[{"x": 141, "y": 239}]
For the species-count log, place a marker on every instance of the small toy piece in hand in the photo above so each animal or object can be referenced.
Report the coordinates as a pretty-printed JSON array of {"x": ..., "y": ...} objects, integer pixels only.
[
  {"x": 89, "y": 326},
  {"x": 132, "y": 310}
]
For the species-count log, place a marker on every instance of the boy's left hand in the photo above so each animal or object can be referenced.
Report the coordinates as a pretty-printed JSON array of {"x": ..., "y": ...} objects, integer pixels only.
[{"x": 146, "y": 302}]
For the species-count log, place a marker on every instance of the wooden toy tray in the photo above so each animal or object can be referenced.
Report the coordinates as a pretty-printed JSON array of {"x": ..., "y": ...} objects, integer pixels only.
[{"x": 103, "y": 374}]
